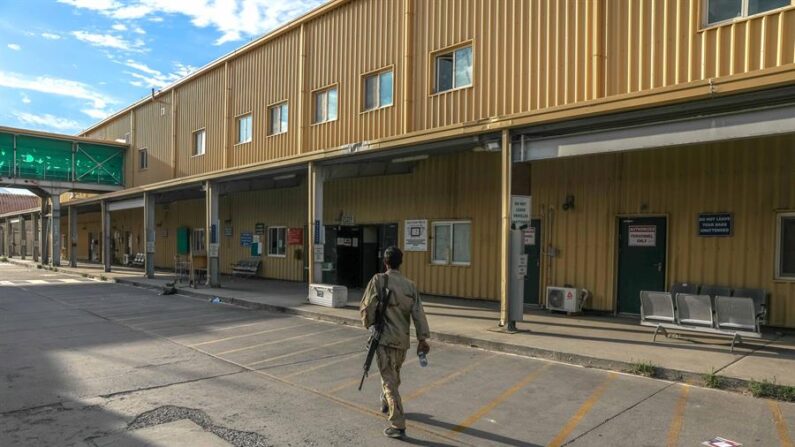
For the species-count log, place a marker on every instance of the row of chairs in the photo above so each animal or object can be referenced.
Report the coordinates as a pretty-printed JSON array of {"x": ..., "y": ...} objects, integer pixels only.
[{"x": 712, "y": 309}]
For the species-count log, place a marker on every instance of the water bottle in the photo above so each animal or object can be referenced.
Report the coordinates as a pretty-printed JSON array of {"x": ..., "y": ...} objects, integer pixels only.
[{"x": 423, "y": 359}]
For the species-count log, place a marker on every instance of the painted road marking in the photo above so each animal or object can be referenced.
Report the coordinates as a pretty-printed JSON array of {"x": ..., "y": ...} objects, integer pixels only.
[
  {"x": 352, "y": 382},
  {"x": 37, "y": 281},
  {"x": 342, "y": 358},
  {"x": 234, "y": 337},
  {"x": 302, "y": 351},
  {"x": 439, "y": 382},
  {"x": 474, "y": 417},
  {"x": 70, "y": 280},
  {"x": 558, "y": 440},
  {"x": 784, "y": 438},
  {"x": 273, "y": 342},
  {"x": 6, "y": 283},
  {"x": 679, "y": 417}
]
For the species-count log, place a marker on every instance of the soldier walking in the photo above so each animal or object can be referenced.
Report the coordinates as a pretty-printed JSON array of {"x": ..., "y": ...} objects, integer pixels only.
[{"x": 403, "y": 305}]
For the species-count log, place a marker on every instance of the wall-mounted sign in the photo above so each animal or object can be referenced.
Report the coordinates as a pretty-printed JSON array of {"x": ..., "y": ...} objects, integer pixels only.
[
  {"x": 530, "y": 236},
  {"x": 416, "y": 235},
  {"x": 295, "y": 236},
  {"x": 228, "y": 232},
  {"x": 317, "y": 237},
  {"x": 347, "y": 220},
  {"x": 319, "y": 252},
  {"x": 246, "y": 239},
  {"x": 520, "y": 210},
  {"x": 642, "y": 236},
  {"x": 717, "y": 224},
  {"x": 259, "y": 228},
  {"x": 212, "y": 250}
]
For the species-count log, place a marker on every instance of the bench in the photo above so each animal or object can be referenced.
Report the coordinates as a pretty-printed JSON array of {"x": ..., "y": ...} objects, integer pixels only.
[
  {"x": 736, "y": 315},
  {"x": 246, "y": 267}
]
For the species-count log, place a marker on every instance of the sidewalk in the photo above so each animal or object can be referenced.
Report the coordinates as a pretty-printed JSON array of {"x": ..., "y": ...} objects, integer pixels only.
[{"x": 603, "y": 342}]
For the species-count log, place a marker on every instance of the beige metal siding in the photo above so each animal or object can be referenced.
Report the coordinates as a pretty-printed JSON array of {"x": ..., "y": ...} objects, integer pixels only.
[
  {"x": 751, "y": 179},
  {"x": 656, "y": 43},
  {"x": 200, "y": 104},
  {"x": 169, "y": 217},
  {"x": 355, "y": 39},
  {"x": 453, "y": 187},
  {"x": 257, "y": 80},
  {"x": 153, "y": 132}
]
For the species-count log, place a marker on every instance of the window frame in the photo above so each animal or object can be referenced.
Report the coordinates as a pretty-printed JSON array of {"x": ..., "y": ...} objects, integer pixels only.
[
  {"x": 145, "y": 151},
  {"x": 779, "y": 275},
  {"x": 198, "y": 244},
  {"x": 377, "y": 74},
  {"x": 451, "y": 260},
  {"x": 238, "y": 120},
  {"x": 194, "y": 152},
  {"x": 324, "y": 91},
  {"x": 434, "y": 81},
  {"x": 706, "y": 24},
  {"x": 271, "y": 108},
  {"x": 284, "y": 241}
]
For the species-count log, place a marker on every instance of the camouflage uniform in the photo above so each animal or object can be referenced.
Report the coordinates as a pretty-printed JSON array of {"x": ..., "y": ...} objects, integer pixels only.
[{"x": 404, "y": 305}]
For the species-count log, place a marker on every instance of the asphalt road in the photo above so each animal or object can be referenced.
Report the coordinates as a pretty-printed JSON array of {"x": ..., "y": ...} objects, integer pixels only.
[{"x": 91, "y": 363}]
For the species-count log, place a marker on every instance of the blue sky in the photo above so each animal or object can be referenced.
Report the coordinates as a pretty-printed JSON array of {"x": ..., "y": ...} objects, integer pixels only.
[{"x": 66, "y": 64}]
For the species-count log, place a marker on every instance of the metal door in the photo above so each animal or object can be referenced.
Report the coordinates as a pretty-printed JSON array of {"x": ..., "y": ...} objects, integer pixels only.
[
  {"x": 532, "y": 248},
  {"x": 642, "y": 243}
]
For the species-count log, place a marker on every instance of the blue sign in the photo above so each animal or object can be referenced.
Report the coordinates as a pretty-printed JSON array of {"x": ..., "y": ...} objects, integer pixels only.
[
  {"x": 246, "y": 239},
  {"x": 717, "y": 224},
  {"x": 317, "y": 231},
  {"x": 213, "y": 234}
]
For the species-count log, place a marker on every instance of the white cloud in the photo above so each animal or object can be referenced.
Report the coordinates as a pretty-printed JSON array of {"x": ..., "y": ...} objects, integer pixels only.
[
  {"x": 119, "y": 27},
  {"x": 14, "y": 46},
  {"x": 97, "y": 114},
  {"x": 62, "y": 87},
  {"x": 25, "y": 98},
  {"x": 146, "y": 76},
  {"x": 139, "y": 30},
  {"x": 109, "y": 41},
  {"x": 46, "y": 121},
  {"x": 51, "y": 36},
  {"x": 234, "y": 19}
]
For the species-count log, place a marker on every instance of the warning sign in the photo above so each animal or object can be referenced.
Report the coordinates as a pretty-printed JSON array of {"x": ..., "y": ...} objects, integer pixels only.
[
  {"x": 642, "y": 236},
  {"x": 721, "y": 442},
  {"x": 530, "y": 236}
]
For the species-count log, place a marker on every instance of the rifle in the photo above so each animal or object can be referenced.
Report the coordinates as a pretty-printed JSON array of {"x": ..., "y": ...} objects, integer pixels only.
[{"x": 378, "y": 328}]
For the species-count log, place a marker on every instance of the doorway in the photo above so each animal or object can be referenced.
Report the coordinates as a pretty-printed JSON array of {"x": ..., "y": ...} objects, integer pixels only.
[
  {"x": 642, "y": 248},
  {"x": 532, "y": 248},
  {"x": 359, "y": 252}
]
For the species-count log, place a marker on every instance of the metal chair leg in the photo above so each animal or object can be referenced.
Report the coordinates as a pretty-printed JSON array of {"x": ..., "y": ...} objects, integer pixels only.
[
  {"x": 656, "y": 331},
  {"x": 736, "y": 338}
]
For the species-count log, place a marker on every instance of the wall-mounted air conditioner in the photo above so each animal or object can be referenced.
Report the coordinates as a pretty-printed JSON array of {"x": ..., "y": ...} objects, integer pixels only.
[{"x": 565, "y": 299}]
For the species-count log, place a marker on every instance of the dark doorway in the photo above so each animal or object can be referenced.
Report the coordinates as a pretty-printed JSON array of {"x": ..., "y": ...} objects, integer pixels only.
[
  {"x": 642, "y": 243},
  {"x": 349, "y": 256},
  {"x": 532, "y": 248},
  {"x": 358, "y": 252}
]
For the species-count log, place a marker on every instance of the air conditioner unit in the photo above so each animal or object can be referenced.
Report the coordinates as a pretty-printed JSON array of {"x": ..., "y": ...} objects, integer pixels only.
[{"x": 565, "y": 299}]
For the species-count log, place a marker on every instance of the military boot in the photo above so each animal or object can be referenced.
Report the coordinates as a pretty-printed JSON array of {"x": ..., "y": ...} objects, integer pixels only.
[{"x": 392, "y": 432}]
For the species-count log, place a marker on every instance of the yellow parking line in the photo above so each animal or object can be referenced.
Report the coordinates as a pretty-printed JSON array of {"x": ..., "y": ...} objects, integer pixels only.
[
  {"x": 302, "y": 351},
  {"x": 564, "y": 433},
  {"x": 439, "y": 382},
  {"x": 235, "y": 337},
  {"x": 466, "y": 423},
  {"x": 373, "y": 370},
  {"x": 781, "y": 425},
  {"x": 679, "y": 417},
  {"x": 273, "y": 342},
  {"x": 343, "y": 358}
]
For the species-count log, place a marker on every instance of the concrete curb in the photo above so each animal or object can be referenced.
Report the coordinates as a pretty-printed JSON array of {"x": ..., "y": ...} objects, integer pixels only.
[{"x": 674, "y": 375}]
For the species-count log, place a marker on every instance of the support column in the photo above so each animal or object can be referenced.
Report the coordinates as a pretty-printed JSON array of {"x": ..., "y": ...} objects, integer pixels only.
[
  {"x": 211, "y": 195},
  {"x": 23, "y": 238},
  {"x": 72, "y": 236},
  {"x": 106, "y": 237},
  {"x": 34, "y": 221},
  {"x": 43, "y": 251},
  {"x": 8, "y": 238},
  {"x": 55, "y": 230},
  {"x": 316, "y": 178},
  {"x": 149, "y": 234},
  {"x": 505, "y": 226}
]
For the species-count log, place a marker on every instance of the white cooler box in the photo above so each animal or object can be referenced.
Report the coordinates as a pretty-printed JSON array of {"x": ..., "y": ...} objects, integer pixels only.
[{"x": 328, "y": 295}]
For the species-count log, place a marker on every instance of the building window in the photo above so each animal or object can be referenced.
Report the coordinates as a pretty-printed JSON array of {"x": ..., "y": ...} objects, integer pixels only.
[
  {"x": 143, "y": 158},
  {"x": 276, "y": 241},
  {"x": 244, "y": 129},
  {"x": 785, "y": 246},
  {"x": 378, "y": 90},
  {"x": 452, "y": 243},
  {"x": 199, "y": 142},
  {"x": 454, "y": 69},
  {"x": 326, "y": 105},
  {"x": 197, "y": 243},
  {"x": 278, "y": 119},
  {"x": 725, "y": 10}
]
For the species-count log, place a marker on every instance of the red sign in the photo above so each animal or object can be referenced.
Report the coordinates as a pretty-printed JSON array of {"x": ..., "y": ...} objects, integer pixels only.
[{"x": 295, "y": 236}]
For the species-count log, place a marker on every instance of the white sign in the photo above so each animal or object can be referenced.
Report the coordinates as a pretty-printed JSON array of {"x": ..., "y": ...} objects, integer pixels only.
[
  {"x": 520, "y": 210},
  {"x": 530, "y": 236},
  {"x": 347, "y": 220},
  {"x": 642, "y": 236},
  {"x": 150, "y": 247},
  {"x": 212, "y": 251},
  {"x": 319, "y": 252},
  {"x": 521, "y": 267},
  {"x": 416, "y": 235}
]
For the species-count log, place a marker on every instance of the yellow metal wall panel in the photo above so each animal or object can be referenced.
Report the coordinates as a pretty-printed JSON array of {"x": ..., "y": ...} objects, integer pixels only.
[
  {"x": 465, "y": 186},
  {"x": 200, "y": 105},
  {"x": 169, "y": 217},
  {"x": 153, "y": 132},
  {"x": 751, "y": 179}
]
